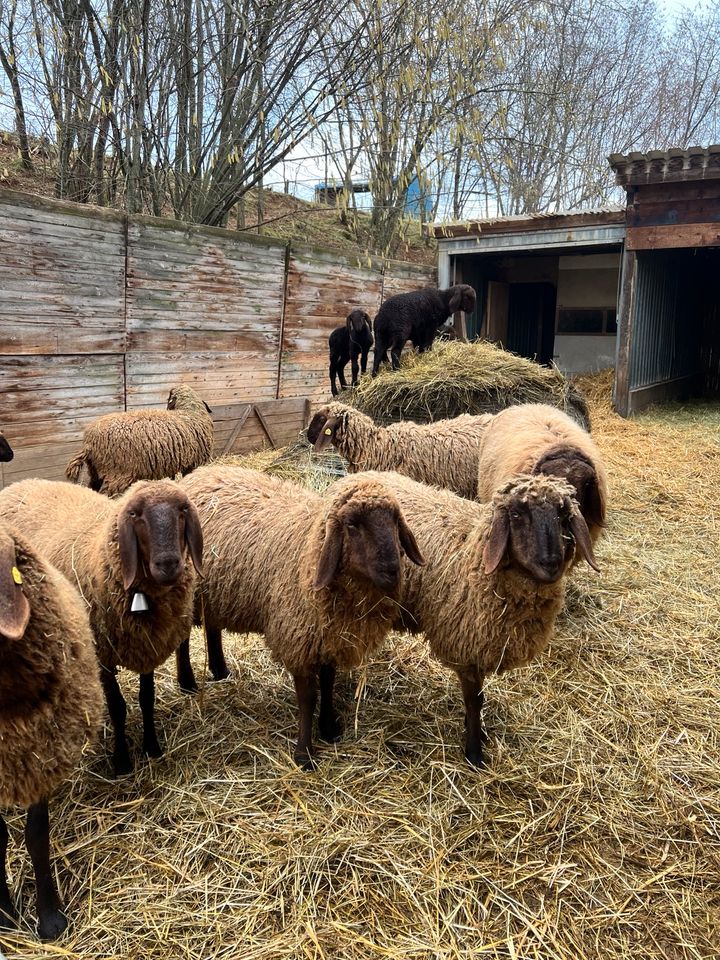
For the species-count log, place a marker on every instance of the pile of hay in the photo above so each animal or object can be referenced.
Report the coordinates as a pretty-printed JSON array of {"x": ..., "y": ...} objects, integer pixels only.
[
  {"x": 593, "y": 834},
  {"x": 297, "y": 462},
  {"x": 455, "y": 378}
]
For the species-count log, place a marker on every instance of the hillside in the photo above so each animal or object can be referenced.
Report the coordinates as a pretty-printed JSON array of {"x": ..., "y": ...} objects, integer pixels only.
[{"x": 286, "y": 217}]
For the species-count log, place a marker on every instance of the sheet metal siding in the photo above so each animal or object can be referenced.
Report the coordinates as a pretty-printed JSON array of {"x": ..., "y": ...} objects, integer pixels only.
[{"x": 664, "y": 347}]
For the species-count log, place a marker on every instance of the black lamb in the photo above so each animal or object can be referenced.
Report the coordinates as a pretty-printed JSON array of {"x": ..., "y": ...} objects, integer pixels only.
[
  {"x": 348, "y": 343},
  {"x": 416, "y": 316}
]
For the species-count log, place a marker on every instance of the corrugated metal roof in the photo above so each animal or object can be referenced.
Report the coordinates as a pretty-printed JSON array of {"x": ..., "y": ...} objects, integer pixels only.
[
  {"x": 530, "y": 221},
  {"x": 692, "y": 163}
]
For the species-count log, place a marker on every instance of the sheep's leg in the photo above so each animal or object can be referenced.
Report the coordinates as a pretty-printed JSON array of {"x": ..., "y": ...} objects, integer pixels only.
[
  {"x": 147, "y": 707},
  {"x": 306, "y": 692},
  {"x": 364, "y": 359},
  {"x": 329, "y": 724},
  {"x": 380, "y": 356},
  {"x": 333, "y": 384},
  {"x": 183, "y": 668},
  {"x": 117, "y": 711},
  {"x": 355, "y": 368},
  {"x": 51, "y": 919},
  {"x": 8, "y": 917},
  {"x": 395, "y": 352},
  {"x": 471, "y": 681},
  {"x": 216, "y": 655}
]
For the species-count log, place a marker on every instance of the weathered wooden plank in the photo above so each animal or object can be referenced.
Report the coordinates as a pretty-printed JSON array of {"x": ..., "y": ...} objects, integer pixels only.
[
  {"x": 22, "y": 337},
  {"x": 235, "y": 432},
  {"x": 672, "y": 237}
]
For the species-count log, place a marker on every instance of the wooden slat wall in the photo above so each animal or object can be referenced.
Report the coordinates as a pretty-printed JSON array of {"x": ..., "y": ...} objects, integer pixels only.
[
  {"x": 62, "y": 327},
  {"x": 321, "y": 290},
  {"x": 203, "y": 307},
  {"x": 100, "y": 312}
]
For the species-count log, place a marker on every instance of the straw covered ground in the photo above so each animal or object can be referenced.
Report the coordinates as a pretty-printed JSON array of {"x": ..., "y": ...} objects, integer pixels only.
[
  {"x": 593, "y": 833},
  {"x": 457, "y": 377}
]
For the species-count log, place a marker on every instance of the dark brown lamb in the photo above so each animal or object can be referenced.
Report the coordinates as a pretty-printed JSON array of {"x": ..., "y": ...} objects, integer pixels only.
[{"x": 416, "y": 316}]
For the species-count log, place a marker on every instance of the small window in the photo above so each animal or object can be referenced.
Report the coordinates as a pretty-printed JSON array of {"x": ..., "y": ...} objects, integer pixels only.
[
  {"x": 580, "y": 321},
  {"x": 588, "y": 322}
]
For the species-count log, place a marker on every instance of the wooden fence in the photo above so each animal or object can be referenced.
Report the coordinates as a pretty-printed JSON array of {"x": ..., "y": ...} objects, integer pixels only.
[{"x": 102, "y": 312}]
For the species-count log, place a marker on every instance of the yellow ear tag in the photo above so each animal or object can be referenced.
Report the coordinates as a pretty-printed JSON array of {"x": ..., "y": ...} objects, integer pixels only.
[
  {"x": 16, "y": 575},
  {"x": 327, "y": 431}
]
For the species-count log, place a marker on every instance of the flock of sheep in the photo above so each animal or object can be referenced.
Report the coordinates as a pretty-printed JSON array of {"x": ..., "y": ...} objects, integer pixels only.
[{"x": 464, "y": 530}]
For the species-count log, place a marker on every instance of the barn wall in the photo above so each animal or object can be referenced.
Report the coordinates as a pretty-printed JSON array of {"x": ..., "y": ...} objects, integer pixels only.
[{"x": 101, "y": 312}]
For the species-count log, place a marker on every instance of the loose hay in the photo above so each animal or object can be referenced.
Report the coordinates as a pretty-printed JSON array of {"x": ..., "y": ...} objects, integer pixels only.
[
  {"x": 594, "y": 832},
  {"x": 455, "y": 378}
]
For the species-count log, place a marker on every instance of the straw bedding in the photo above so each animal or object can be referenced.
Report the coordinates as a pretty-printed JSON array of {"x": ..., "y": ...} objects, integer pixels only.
[
  {"x": 594, "y": 832},
  {"x": 457, "y": 377}
]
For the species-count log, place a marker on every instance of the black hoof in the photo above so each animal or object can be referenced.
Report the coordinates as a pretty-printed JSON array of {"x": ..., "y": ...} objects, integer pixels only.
[
  {"x": 330, "y": 731},
  {"x": 52, "y": 924},
  {"x": 475, "y": 758},
  {"x": 122, "y": 764},
  {"x": 305, "y": 760},
  {"x": 152, "y": 748},
  {"x": 188, "y": 684},
  {"x": 223, "y": 674}
]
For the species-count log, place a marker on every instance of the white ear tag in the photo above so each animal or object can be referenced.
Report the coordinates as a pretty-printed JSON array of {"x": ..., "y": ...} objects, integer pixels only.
[{"x": 139, "y": 603}]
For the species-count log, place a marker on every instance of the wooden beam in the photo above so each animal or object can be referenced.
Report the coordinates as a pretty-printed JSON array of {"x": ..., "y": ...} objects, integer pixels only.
[
  {"x": 625, "y": 319},
  {"x": 236, "y": 430},
  {"x": 673, "y": 237},
  {"x": 266, "y": 428}
]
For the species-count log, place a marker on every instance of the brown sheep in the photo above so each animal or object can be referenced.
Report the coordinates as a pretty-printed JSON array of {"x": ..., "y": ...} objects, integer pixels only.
[
  {"x": 316, "y": 576},
  {"x": 120, "y": 448},
  {"x": 444, "y": 453},
  {"x": 537, "y": 438},
  {"x": 50, "y": 706},
  {"x": 494, "y": 583},
  {"x": 118, "y": 552}
]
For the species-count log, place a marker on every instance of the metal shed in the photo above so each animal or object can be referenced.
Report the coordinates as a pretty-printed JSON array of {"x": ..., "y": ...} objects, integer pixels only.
[
  {"x": 546, "y": 283},
  {"x": 669, "y": 302}
]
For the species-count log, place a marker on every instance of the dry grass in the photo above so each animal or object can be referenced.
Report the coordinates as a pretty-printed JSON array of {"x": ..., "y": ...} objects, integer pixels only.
[
  {"x": 457, "y": 377},
  {"x": 594, "y": 832}
]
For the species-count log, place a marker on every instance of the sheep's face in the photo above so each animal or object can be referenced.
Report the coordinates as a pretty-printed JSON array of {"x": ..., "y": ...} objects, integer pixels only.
[
  {"x": 185, "y": 398},
  {"x": 580, "y": 473},
  {"x": 461, "y": 297},
  {"x": 155, "y": 525},
  {"x": 324, "y": 429},
  {"x": 6, "y": 451},
  {"x": 367, "y": 541},
  {"x": 14, "y": 605},
  {"x": 357, "y": 320},
  {"x": 537, "y": 531}
]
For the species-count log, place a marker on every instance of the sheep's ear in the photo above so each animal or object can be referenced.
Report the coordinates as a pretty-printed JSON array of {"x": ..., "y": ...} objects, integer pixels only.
[
  {"x": 194, "y": 538},
  {"x": 497, "y": 541},
  {"x": 409, "y": 543},
  {"x": 455, "y": 303},
  {"x": 315, "y": 426},
  {"x": 469, "y": 299},
  {"x": 207, "y": 407},
  {"x": 592, "y": 505},
  {"x": 14, "y": 605},
  {"x": 171, "y": 400},
  {"x": 326, "y": 435},
  {"x": 128, "y": 546},
  {"x": 330, "y": 555},
  {"x": 582, "y": 538}
]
